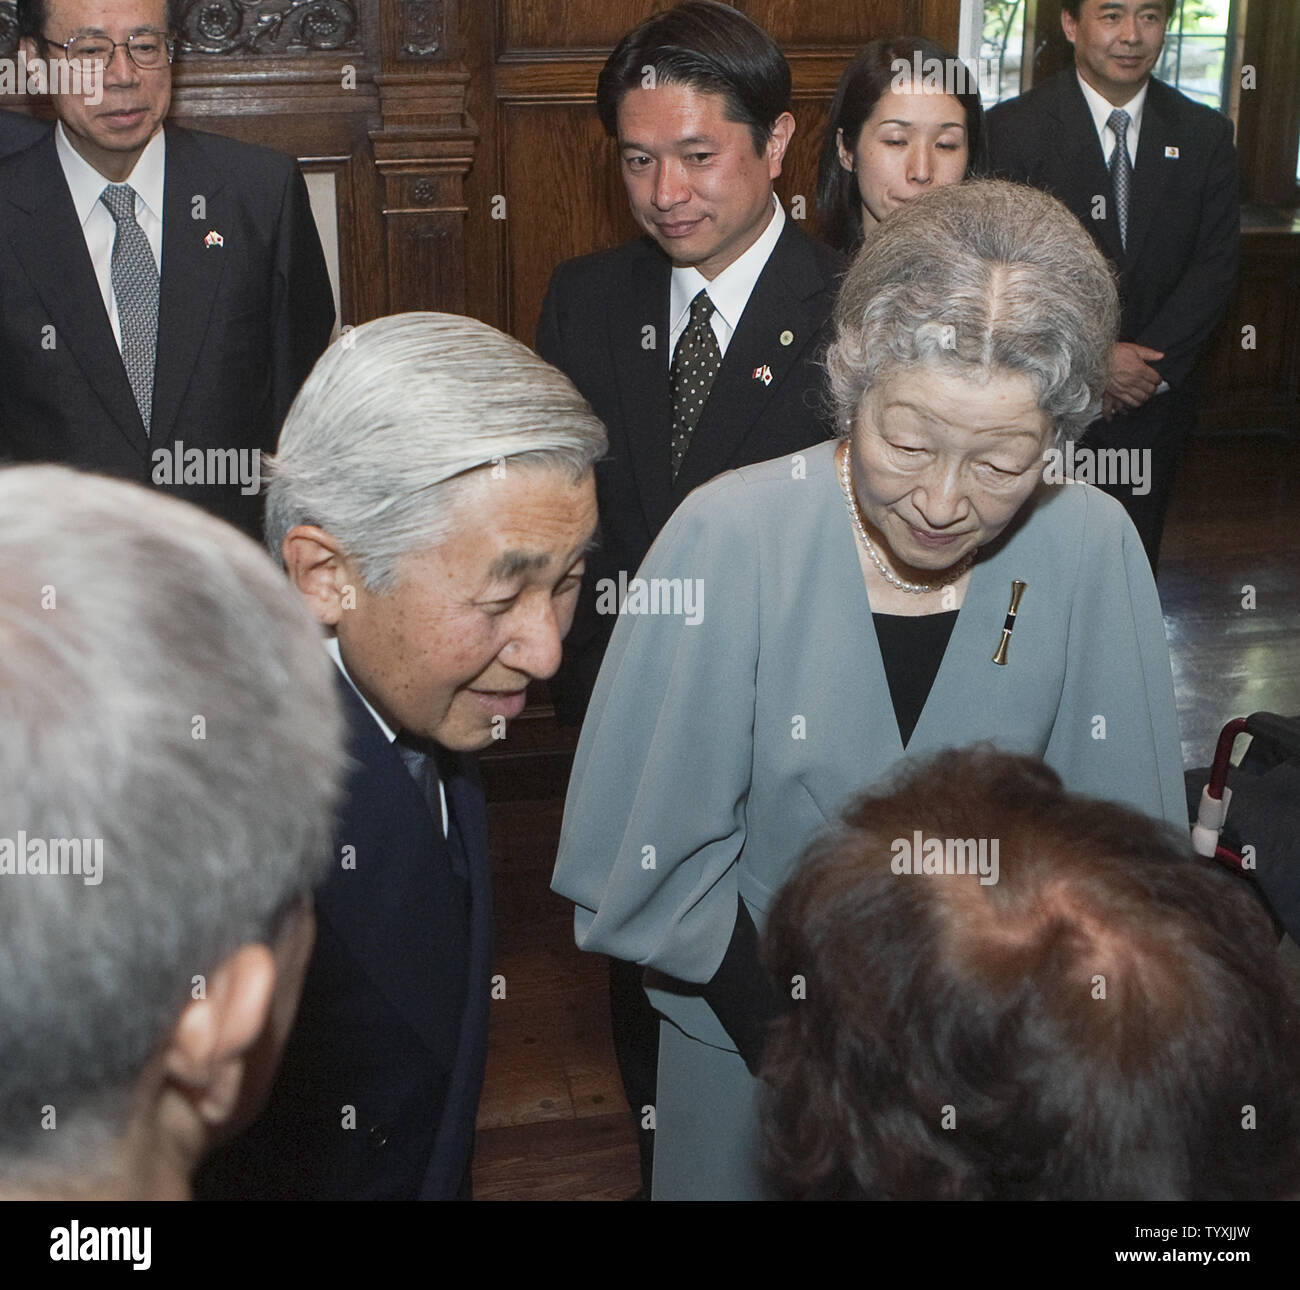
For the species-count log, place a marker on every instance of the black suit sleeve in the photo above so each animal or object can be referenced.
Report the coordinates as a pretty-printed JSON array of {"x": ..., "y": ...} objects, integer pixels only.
[
  {"x": 304, "y": 307},
  {"x": 549, "y": 343},
  {"x": 1192, "y": 310},
  {"x": 1005, "y": 159},
  {"x": 741, "y": 993}
]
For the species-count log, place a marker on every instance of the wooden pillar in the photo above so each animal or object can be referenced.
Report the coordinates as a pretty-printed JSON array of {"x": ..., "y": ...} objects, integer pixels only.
[{"x": 423, "y": 153}]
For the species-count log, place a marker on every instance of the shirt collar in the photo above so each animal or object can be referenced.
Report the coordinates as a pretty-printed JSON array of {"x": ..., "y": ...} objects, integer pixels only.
[
  {"x": 1101, "y": 108},
  {"x": 731, "y": 289},
  {"x": 332, "y": 649},
  {"x": 85, "y": 183}
]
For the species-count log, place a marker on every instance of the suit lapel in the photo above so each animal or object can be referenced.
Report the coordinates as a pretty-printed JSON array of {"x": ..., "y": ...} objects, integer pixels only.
[
  {"x": 191, "y": 274},
  {"x": 1085, "y": 164},
  {"x": 782, "y": 302},
  {"x": 641, "y": 301},
  {"x": 51, "y": 245},
  {"x": 456, "y": 1129},
  {"x": 391, "y": 894},
  {"x": 1151, "y": 173}
]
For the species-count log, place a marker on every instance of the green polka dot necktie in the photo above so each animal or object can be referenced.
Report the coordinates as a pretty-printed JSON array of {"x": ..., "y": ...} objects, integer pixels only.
[
  {"x": 695, "y": 363},
  {"x": 135, "y": 288}
]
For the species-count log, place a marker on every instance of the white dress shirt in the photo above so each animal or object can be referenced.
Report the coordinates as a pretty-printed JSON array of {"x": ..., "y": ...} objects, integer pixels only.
[
  {"x": 98, "y": 226},
  {"x": 1102, "y": 108},
  {"x": 729, "y": 291},
  {"x": 332, "y": 649}
]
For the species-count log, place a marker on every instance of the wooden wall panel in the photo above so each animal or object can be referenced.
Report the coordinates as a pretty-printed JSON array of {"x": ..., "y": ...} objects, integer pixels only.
[
  {"x": 539, "y": 25},
  {"x": 832, "y": 23},
  {"x": 561, "y": 202},
  {"x": 569, "y": 24},
  {"x": 1259, "y": 388},
  {"x": 797, "y": 186}
]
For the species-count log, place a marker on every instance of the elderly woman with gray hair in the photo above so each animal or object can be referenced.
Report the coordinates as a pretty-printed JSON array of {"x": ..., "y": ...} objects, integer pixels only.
[{"x": 921, "y": 583}]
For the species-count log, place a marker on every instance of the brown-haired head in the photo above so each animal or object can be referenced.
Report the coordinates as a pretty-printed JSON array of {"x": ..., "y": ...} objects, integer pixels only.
[{"x": 1089, "y": 1014}]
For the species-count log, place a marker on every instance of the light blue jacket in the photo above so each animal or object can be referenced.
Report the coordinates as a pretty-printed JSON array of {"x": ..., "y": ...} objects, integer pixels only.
[{"x": 713, "y": 753}]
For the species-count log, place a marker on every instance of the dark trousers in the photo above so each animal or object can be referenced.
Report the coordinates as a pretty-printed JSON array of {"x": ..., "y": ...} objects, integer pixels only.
[
  {"x": 636, "y": 1046},
  {"x": 1160, "y": 427}
]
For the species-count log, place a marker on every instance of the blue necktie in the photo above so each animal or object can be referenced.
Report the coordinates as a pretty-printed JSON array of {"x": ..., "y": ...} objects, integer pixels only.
[
  {"x": 1121, "y": 171},
  {"x": 429, "y": 765}
]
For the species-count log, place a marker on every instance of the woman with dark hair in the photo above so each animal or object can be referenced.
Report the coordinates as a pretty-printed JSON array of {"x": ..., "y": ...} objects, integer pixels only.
[{"x": 906, "y": 118}]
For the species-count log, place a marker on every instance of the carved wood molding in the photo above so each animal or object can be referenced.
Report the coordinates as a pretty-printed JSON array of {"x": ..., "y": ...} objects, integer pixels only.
[
  {"x": 245, "y": 28},
  {"x": 8, "y": 28},
  {"x": 268, "y": 27},
  {"x": 424, "y": 28},
  {"x": 423, "y": 152}
]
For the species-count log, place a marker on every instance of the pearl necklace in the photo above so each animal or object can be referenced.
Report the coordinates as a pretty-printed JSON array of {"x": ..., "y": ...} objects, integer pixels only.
[{"x": 855, "y": 514}]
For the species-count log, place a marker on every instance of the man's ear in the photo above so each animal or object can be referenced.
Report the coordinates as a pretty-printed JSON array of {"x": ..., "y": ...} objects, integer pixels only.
[
  {"x": 1068, "y": 25},
  {"x": 778, "y": 141},
  {"x": 317, "y": 566},
  {"x": 205, "y": 1053},
  {"x": 29, "y": 47}
]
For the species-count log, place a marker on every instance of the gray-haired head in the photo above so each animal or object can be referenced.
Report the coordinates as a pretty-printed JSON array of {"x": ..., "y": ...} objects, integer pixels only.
[
  {"x": 170, "y": 736},
  {"x": 983, "y": 276},
  {"x": 396, "y": 414}
]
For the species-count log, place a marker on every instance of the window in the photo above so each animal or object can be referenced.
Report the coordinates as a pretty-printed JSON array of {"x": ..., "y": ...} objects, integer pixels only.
[
  {"x": 1197, "y": 58},
  {"x": 1001, "y": 50}
]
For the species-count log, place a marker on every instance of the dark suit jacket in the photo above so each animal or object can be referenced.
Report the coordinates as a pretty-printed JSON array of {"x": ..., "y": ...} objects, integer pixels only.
[
  {"x": 593, "y": 328},
  {"x": 239, "y": 325},
  {"x": 18, "y": 131},
  {"x": 393, "y": 1019},
  {"x": 1184, "y": 215}
]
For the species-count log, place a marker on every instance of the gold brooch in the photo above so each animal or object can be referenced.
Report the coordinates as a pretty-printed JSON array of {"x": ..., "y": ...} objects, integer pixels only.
[{"x": 1000, "y": 654}]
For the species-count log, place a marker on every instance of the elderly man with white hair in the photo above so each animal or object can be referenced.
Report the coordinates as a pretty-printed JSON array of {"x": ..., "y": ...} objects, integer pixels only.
[
  {"x": 433, "y": 501},
  {"x": 170, "y": 755}
]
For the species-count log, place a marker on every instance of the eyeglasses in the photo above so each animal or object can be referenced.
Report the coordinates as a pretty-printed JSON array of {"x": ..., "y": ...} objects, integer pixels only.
[{"x": 148, "y": 50}]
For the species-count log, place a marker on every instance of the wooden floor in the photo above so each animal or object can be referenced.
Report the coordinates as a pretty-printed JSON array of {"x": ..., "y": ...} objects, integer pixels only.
[{"x": 553, "y": 1123}]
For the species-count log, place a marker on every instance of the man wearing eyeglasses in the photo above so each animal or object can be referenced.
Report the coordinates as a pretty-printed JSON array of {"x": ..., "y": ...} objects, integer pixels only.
[{"x": 163, "y": 292}]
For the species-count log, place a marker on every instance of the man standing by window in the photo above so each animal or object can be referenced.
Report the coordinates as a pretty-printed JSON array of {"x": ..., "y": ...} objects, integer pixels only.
[{"x": 1153, "y": 177}]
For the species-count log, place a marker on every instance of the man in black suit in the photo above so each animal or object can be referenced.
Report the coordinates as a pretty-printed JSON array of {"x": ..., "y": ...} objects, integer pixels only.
[
  {"x": 18, "y": 131},
  {"x": 378, "y": 1089},
  {"x": 697, "y": 98},
  {"x": 697, "y": 345},
  {"x": 433, "y": 502},
  {"x": 162, "y": 292},
  {"x": 1164, "y": 209}
]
